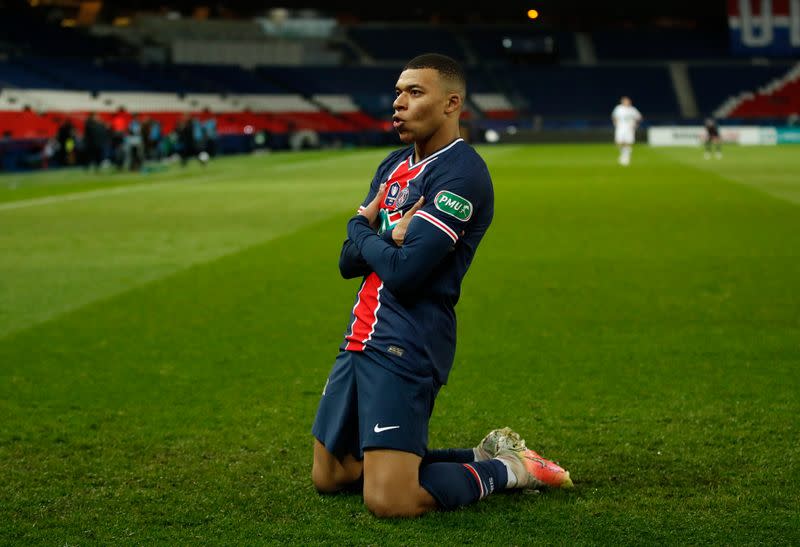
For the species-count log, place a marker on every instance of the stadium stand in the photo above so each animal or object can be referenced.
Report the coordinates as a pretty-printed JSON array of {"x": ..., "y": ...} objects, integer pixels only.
[
  {"x": 341, "y": 86},
  {"x": 714, "y": 84},
  {"x": 779, "y": 98},
  {"x": 587, "y": 91},
  {"x": 25, "y": 31},
  {"x": 77, "y": 73},
  {"x": 654, "y": 44},
  {"x": 495, "y": 44},
  {"x": 14, "y": 75},
  {"x": 417, "y": 39}
]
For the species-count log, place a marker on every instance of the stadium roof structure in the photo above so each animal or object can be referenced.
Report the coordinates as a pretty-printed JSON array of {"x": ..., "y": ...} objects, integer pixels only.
[{"x": 573, "y": 14}]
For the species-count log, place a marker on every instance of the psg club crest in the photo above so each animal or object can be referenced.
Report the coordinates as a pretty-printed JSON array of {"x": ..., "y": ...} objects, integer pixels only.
[{"x": 402, "y": 198}]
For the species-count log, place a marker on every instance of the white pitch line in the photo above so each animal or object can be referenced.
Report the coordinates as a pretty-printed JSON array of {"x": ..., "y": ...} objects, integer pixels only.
[
  {"x": 89, "y": 194},
  {"x": 68, "y": 197},
  {"x": 24, "y": 203},
  {"x": 292, "y": 166}
]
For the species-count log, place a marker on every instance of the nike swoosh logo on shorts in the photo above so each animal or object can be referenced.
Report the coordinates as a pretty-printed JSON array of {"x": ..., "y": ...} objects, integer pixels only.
[{"x": 379, "y": 429}]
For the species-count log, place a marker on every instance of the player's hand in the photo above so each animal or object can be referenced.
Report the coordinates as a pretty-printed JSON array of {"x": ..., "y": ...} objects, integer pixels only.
[
  {"x": 399, "y": 230},
  {"x": 371, "y": 210}
]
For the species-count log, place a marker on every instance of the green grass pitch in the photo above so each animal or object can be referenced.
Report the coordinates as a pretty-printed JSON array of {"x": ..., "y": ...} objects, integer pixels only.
[{"x": 164, "y": 339}]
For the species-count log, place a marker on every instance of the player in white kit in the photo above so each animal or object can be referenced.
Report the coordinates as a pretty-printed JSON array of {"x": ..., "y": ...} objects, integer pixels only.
[{"x": 626, "y": 118}]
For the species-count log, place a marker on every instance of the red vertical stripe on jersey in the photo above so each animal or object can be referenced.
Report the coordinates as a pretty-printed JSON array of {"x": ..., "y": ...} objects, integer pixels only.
[{"x": 365, "y": 311}]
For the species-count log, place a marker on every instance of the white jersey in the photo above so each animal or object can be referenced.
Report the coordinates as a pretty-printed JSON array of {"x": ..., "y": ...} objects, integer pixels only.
[{"x": 625, "y": 120}]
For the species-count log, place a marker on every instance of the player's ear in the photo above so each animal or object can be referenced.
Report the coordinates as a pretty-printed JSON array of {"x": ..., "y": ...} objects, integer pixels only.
[{"x": 454, "y": 103}]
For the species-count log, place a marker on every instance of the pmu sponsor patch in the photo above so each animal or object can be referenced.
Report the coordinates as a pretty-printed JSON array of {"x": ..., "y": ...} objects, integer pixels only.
[{"x": 453, "y": 205}]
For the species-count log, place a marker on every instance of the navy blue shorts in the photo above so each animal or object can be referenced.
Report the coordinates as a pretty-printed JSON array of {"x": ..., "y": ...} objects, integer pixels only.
[{"x": 365, "y": 405}]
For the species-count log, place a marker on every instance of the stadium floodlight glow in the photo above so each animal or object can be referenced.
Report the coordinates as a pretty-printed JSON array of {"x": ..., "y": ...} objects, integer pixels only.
[{"x": 533, "y": 14}]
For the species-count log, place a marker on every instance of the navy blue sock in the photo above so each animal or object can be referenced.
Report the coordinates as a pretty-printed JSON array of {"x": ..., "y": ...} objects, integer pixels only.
[
  {"x": 458, "y": 455},
  {"x": 455, "y": 484}
]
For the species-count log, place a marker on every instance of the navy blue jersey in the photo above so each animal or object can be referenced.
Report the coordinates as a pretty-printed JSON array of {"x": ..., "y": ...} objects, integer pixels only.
[{"x": 405, "y": 305}]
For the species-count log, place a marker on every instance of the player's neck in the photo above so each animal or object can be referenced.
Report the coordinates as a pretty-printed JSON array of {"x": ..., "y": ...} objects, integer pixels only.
[{"x": 439, "y": 140}]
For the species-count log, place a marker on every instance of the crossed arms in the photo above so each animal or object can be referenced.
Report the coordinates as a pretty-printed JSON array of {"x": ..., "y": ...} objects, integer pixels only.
[{"x": 402, "y": 257}]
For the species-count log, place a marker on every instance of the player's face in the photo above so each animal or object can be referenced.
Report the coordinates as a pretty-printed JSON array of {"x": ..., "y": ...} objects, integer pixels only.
[{"x": 420, "y": 106}]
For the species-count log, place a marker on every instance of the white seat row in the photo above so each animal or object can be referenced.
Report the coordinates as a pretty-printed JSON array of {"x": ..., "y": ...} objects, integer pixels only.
[
  {"x": 337, "y": 103},
  {"x": 491, "y": 101},
  {"x": 43, "y": 100}
]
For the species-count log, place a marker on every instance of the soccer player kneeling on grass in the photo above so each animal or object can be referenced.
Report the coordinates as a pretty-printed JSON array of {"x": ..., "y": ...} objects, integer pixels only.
[{"x": 412, "y": 241}]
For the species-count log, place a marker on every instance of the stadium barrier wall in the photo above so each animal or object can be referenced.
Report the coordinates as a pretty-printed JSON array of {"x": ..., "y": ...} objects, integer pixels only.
[
  {"x": 586, "y": 135},
  {"x": 788, "y": 135},
  {"x": 746, "y": 135}
]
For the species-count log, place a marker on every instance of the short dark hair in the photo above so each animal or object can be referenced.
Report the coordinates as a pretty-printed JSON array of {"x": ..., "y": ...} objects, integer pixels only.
[{"x": 446, "y": 66}]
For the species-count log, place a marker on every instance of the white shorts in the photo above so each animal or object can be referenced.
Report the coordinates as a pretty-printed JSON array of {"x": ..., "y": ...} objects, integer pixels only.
[{"x": 624, "y": 136}]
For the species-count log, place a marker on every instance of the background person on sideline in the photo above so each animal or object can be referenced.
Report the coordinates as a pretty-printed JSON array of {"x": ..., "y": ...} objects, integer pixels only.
[
  {"x": 187, "y": 144},
  {"x": 626, "y": 119},
  {"x": 713, "y": 142},
  {"x": 94, "y": 141}
]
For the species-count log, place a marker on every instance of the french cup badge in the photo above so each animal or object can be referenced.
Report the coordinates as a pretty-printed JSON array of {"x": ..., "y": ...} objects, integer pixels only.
[{"x": 391, "y": 194}]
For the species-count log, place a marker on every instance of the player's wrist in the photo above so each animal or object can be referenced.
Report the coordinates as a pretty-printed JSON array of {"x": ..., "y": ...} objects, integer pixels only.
[{"x": 387, "y": 236}]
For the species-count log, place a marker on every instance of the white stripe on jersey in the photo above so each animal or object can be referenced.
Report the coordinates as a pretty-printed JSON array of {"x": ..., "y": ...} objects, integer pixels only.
[{"x": 438, "y": 223}]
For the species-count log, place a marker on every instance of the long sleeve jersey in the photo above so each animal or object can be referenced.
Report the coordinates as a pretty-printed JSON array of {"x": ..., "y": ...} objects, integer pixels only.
[{"x": 405, "y": 306}]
